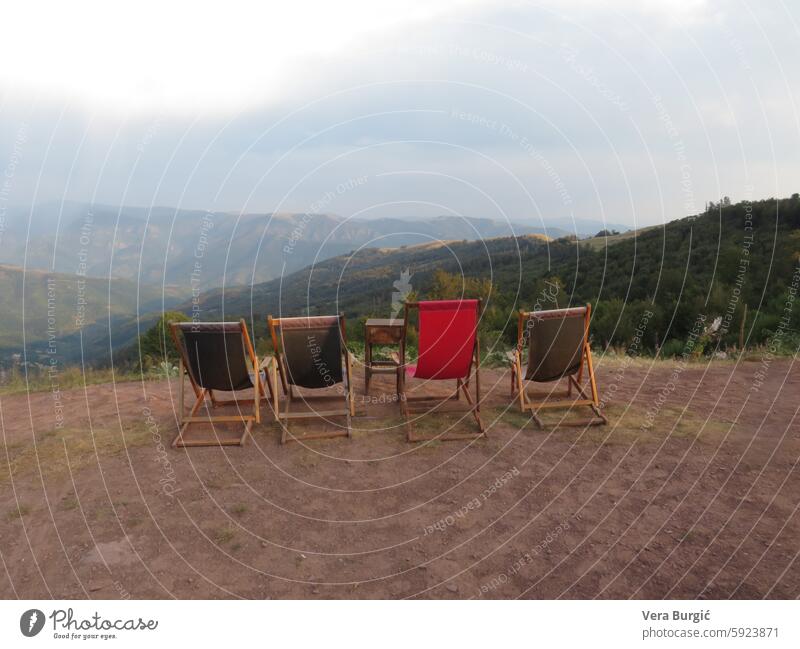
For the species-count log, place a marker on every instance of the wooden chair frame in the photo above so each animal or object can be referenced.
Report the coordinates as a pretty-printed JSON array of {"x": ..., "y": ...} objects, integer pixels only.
[
  {"x": 526, "y": 402},
  {"x": 278, "y": 369},
  {"x": 260, "y": 387},
  {"x": 462, "y": 385}
]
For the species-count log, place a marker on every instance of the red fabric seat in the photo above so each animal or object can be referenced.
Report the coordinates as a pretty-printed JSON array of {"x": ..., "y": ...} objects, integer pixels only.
[{"x": 447, "y": 330}]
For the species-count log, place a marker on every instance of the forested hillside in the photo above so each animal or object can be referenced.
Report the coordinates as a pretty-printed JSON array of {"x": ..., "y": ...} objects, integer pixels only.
[
  {"x": 43, "y": 314},
  {"x": 712, "y": 264}
]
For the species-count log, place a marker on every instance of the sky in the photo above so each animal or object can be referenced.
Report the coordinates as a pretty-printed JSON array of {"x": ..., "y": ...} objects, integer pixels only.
[{"x": 627, "y": 112}]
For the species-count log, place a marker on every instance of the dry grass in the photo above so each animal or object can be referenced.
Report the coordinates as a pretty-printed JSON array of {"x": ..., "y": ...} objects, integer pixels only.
[
  {"x": 239, "y": 509},
  {"x": 66, "y": 378},
  {"x": 626, "y": 424},
  {"x": 18, "y": 382},
  {"x": 225, "y": 534},
  {"x": 57, "y": 451},
  {"x": 19, "y": 512}
]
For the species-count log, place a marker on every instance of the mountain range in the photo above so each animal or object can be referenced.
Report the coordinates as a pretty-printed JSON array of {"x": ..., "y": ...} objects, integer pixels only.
[
  {"x": 118, "y": 267},
  {"x": 205, "y": 249}
]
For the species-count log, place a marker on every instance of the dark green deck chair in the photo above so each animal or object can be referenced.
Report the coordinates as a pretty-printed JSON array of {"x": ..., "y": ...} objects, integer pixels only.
[
  {"x": 214, "y": 357},
  {"x": 558, "y": 348},
  {"x": 311, "y": 355}
]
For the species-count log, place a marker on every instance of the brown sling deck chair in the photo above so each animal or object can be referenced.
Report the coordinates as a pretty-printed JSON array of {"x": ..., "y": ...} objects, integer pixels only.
[
  {"x": 558, "y": 348},
  {"x": 311, "y": 353},
  {"x": 448, "y": 349},
  {"x": 214, "y": 356}
]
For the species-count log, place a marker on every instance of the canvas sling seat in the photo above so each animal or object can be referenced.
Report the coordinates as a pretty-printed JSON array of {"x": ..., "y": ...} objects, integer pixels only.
[
  {"x": 558, "y": 348},
  {"x": 311, "y": 353},
  {"x": 214, "y": 357},
  {"x": 448, "y": 350}
]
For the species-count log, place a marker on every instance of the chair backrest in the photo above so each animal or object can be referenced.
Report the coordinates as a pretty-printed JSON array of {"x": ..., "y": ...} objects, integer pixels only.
[
  {"x": 311, "y": 348},
  {"x": 447, "y": 332},
  {"x": 555, "y": 342},
  {"x": 214, "y": 354}
]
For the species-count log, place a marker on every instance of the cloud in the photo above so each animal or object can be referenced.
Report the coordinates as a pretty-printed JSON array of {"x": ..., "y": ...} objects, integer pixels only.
[
  {"x": 637, "y": 112},
  {"x": 181, "y": 56}
]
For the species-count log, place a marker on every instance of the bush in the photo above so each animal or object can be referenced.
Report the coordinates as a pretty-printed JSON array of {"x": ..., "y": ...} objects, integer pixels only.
[
  {"x": 156, "y": 345},
  {"x": 673, "y": 348}
]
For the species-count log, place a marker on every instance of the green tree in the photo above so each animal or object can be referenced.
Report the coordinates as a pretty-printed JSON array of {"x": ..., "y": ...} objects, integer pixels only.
[
  {"x": 156, "y": 344},
  {"x": 449, "y": 286}
]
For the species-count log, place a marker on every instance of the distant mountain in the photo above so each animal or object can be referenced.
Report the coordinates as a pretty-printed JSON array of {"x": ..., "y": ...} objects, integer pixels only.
[{"x": 202, "y": 250}]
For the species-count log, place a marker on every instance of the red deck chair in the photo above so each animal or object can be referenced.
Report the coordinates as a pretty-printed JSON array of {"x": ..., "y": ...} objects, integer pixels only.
[{"x": 448, "y": 349}]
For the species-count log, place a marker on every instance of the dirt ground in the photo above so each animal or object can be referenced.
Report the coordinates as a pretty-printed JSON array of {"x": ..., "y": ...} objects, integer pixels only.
[{"x": 691, "y": 491}]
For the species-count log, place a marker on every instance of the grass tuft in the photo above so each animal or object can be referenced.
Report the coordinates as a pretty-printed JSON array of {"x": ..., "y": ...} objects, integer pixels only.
[
  {"x": 225, "y": 534},
  {"x": 19, "y": 512}
]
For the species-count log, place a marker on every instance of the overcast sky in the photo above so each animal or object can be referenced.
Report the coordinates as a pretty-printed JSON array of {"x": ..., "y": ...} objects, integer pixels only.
[{"x": 635, "y": 112}]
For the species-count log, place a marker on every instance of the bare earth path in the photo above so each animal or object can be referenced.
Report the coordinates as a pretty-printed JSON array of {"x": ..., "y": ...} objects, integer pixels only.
[{"x": 702, "y": 503}]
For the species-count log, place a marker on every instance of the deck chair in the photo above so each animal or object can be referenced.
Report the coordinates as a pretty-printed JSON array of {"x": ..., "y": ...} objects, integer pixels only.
[
  {"x": 214, "y": 355},
  {"x": 558, "y": 348},
  {"x": 448, "y": 350},
  {"x": 311, "y": 353}
]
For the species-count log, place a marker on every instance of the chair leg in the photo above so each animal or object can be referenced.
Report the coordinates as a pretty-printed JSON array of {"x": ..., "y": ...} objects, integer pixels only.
[
  {"x": 285, "y": 424},
  {"x": 590, "y": 367},
  {"x": 183, "y": 426},
  {"x": 593, "y": 384},
  {"x": 257, "y": 397},
  {"x": 350, "y": 390},
  {"x": 349, "y": 424},
  {"x": 351, "y": 405},
  {"x": 520, "y": 386},
  {"x": 248, "y": 427},
  {"x": 599, "y": 413},
  {"x": 524, "y": 404},
  {"x": 276, "y": 406},
  {"x": 367, "y": 366},
  {"x": 475, "y": 410}
]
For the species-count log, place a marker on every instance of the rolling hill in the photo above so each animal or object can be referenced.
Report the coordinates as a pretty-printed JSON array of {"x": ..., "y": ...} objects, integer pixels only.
[
  {"x": 688, "y": 268},
  {"x": 46, "y": 316}
]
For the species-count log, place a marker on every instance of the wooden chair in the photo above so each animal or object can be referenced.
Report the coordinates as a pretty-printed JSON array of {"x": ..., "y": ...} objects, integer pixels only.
[
  {"x": 214, "y": 355},
  {"x": 448, "y": 350},
  {"x": 311, "y": 353},
  {"x": 558, "y": 348}
]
